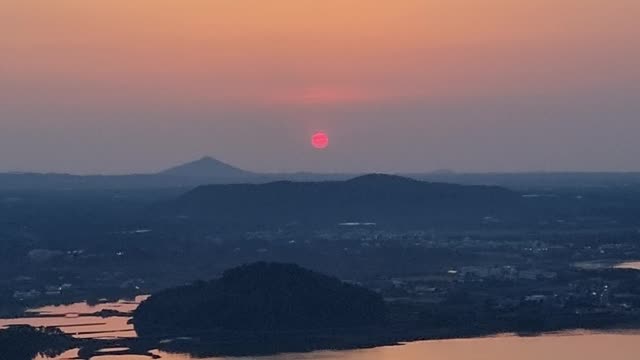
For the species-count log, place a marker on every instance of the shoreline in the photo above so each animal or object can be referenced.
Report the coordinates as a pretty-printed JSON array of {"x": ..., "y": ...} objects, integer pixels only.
[{"x": 266, "y": 344}]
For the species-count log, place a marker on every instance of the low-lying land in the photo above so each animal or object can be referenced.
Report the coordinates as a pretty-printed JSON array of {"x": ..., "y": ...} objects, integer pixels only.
[{"x": 522, "y": 264}]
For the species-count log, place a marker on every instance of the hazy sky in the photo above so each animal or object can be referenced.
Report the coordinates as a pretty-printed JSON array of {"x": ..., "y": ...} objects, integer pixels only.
[{"x": 115, "y": 86}]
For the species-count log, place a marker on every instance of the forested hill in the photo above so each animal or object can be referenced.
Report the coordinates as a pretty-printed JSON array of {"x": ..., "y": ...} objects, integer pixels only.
[
  {"x": 260, "y": 296},
  {"x": 374, "y": 198}
]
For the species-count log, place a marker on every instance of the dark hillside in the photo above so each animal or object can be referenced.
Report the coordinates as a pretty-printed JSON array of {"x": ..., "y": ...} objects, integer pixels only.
[
  {"x": 383, "y": 199},
  {"x": 260, "y": 296}
]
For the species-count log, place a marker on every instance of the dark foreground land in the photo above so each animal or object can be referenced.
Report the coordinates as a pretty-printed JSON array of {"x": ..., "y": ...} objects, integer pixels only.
[
  {"x": 269, "y": 308},
  {"x": 460, "y": 261}
]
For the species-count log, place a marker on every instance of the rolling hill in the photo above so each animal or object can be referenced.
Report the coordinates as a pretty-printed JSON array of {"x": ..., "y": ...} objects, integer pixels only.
[{"x": 371, "y": 198}]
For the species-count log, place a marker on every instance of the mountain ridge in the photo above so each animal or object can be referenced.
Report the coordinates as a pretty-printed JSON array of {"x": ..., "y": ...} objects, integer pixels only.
[
  {"x": 208, "y": 170},
  {"x": 368, "y": 198},
  {"x": 206, "y": 167}
]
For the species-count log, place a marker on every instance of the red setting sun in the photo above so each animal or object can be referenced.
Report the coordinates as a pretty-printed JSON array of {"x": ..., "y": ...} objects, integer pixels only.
[{"x": 320, "y": 140}]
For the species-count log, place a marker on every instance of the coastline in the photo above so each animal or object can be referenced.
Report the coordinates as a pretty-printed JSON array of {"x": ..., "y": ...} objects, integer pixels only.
[{"x": 233, "y": 344}]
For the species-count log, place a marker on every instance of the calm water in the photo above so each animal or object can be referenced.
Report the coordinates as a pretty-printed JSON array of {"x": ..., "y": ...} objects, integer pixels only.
[
  {"x": 568, "y": 346},
  {"x": 69, "y": 319},
  {"x": 600, "y": 265},
  {"x": 629, "y": 265}
]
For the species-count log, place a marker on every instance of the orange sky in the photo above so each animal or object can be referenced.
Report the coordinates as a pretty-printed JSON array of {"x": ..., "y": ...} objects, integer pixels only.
[
  {"x": 273, "y": 50},
  {"x": 290, "y": 54}
]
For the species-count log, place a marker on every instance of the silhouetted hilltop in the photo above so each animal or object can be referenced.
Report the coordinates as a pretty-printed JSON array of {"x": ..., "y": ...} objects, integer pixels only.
[
  {"x": 206, "y": 170},
  {"x": 23, "y": 342},
  {"x": 370, "y": 198},
  {"x": 260, "y": 297},
  {"x": 207, "y": 167},
  {"x": 381, "y": 180}
]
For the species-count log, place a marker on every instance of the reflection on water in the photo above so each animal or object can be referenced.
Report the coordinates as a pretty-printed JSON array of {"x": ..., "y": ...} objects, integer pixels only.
[
  {"x": 635, "y": 265},
  {"x": 68, "y": 318},
  {"x": 607, "y": 264},
  {"x": 570, "y": 346},
  {"x": 84, "y": 308},
  {"x": 122, "y": 357},
  {"x": 71, "y": 354},
  {"x": 108, "y": 350},
  {"x": 582, "y": 347},
  {"x": 81, "y": 327}
]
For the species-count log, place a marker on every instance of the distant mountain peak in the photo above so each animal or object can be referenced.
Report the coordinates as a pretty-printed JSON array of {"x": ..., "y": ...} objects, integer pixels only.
[{"x": 207, "y": 167}]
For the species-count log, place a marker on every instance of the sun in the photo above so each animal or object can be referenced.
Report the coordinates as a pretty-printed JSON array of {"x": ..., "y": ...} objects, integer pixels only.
[{"x": 320, "y": 140}]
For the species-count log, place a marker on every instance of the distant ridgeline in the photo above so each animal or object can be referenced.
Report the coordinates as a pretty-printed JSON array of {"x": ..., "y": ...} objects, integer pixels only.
[
  {"x": 383, "y": 199},
  {"x": 260, "y": 297},
  {"x": 208, "y": 170}
]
